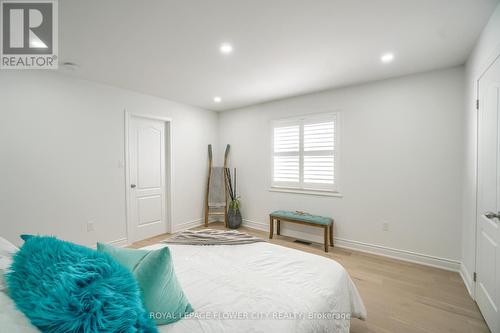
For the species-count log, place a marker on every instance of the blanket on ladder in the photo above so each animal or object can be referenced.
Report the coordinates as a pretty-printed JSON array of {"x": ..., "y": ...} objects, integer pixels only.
[{"x": 212, "y": 237}]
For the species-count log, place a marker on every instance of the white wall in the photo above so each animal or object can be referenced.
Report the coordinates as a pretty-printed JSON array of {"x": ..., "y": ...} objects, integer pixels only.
[
  {"x": 486, "y": 49},
  {"x": 401, "y": 163},
  {"x": 62, "y": 155}
]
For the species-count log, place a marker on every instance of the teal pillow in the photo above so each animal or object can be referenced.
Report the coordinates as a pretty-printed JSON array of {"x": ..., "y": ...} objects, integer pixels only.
[
  {"x": 64, "y": 287},
  {"x": 154, "y": 271}
]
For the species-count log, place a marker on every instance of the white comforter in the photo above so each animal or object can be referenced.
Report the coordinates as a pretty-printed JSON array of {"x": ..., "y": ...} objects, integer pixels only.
[{"x": 271, "y": 288}]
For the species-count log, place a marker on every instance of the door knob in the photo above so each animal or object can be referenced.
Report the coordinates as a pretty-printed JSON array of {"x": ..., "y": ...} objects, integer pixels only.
[
  {"x": 491, "y": 215},
  {"x": 132, "y": 185}
]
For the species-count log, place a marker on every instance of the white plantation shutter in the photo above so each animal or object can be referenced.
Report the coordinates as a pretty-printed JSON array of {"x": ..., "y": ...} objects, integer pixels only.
[
  {"x": 305, "y": 153},
  {"x": 319, "y": 153},
  {"x": 286, "y": 148}
]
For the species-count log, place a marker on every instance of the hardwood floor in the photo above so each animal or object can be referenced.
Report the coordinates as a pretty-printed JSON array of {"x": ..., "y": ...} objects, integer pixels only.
[{"x": 400, "y": 297}]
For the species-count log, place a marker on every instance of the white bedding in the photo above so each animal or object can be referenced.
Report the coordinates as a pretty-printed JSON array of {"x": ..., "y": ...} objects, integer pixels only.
[
  {"x": 271, "y": 286},
  {"x": 11, "y": 319},
  {"x": 259, "y": 280}
]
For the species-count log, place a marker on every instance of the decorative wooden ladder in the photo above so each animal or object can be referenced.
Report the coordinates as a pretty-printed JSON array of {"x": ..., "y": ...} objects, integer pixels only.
[{"x": 215, "y": 211}]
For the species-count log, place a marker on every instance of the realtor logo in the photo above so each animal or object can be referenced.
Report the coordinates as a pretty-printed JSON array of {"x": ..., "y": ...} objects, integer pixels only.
[{"x": 28, "y": 34}]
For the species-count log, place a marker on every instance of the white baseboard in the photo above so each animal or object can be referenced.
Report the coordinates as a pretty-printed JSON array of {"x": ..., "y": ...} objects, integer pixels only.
[
  {"x": 468, "y": 280},
  {"x": 187, "y": 225},
  {"x": 409, "y": 256},
  {"x": 255, "y": 225},
  {"x": 121, "y": 242}
]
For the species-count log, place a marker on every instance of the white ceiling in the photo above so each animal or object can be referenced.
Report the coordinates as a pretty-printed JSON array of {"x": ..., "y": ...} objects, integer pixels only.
[{"x": 170, "y": 48}]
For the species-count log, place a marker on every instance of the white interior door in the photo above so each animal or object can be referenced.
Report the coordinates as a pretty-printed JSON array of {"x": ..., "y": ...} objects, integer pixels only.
[
  {"x": 147, "y": 173},
  {"x": 488, "y": 218}
]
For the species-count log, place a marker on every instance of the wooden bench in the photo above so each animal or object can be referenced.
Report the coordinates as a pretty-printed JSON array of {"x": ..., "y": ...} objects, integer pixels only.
[{"x": 301, "y": 218}]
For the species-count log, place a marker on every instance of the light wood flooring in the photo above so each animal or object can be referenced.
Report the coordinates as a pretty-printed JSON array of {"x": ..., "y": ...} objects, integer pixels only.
[{"x": 400, "y": 297}]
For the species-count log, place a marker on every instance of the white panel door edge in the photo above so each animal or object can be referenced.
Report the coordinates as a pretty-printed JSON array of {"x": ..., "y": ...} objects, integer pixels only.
[
  {"x": 487, "y": 289},
  {"x": 147, "y": 176}
]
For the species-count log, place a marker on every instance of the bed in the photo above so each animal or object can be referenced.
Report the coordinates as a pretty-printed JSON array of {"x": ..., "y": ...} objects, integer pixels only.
[
  {"x": 259, "y": 287},
  {"x": 261, "y": 282}
]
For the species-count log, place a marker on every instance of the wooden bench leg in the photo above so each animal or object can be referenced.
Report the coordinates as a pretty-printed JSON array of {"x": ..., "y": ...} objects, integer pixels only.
[
  {"x": 326, "y": 238},
  {"x": 331, "y": 235},
  {"x": 271, "y": 227},
  {"x": 278, "y": 227}
]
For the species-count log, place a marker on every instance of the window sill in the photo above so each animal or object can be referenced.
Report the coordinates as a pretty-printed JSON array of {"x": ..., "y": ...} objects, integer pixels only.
[{"x": 307, "y": 192}]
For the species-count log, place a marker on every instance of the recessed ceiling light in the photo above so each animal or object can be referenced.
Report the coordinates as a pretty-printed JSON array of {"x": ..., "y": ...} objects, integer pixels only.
[
  {"x": 217, "y": 99},
  {"x": 226, "y": 48},
  {"x": 387, "y": 57}
]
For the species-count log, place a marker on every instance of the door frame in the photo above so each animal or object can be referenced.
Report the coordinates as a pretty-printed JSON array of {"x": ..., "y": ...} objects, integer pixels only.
[
  {"x": 483, "y": 69},
  {"x": 168, "y": 169}
]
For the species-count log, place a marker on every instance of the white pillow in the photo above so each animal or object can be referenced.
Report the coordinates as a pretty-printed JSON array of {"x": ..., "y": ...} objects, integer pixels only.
[
  {"x": 7, "y": 251},
  {"x": 11, "y": 319}
]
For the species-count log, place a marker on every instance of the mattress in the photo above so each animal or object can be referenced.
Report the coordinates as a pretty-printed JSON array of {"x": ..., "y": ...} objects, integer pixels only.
[{"x": 263, "y": 287}]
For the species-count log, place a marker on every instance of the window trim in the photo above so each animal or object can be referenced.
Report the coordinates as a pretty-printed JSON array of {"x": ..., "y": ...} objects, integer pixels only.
[
  {"x": 307, "y": 192},
  {"x": 334, "y": 191}
]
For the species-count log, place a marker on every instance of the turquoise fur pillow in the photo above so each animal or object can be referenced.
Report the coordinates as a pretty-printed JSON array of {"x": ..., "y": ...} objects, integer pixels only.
[
  {"x": 63, "y": 287},
  {"x": 154, "y": 271}
]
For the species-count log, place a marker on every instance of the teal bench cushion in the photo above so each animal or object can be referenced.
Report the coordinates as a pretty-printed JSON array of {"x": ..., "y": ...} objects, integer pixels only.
[{"x": 304, "y": 217}]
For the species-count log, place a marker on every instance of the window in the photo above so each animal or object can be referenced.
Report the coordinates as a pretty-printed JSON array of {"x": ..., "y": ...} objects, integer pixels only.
[{"x": 305, "y": 153}]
